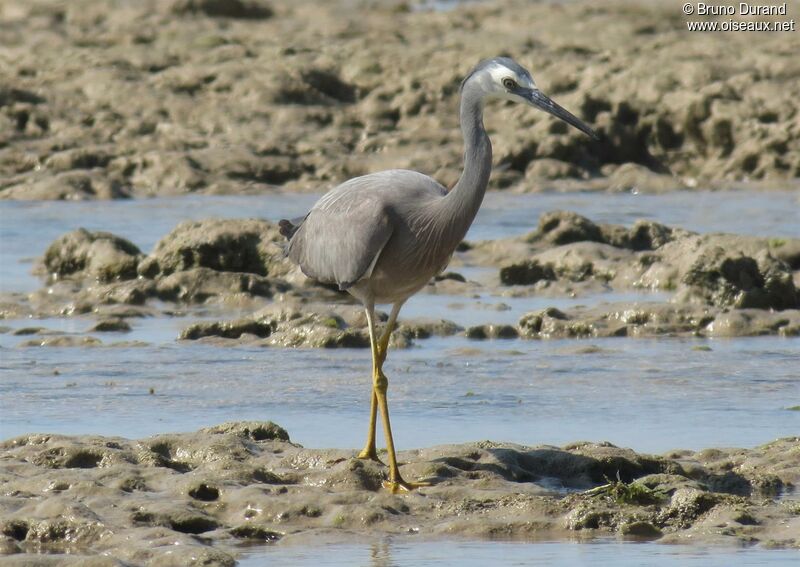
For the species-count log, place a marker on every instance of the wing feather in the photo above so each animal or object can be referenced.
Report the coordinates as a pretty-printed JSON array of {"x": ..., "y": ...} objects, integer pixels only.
[{"x": 342, "y": 237}]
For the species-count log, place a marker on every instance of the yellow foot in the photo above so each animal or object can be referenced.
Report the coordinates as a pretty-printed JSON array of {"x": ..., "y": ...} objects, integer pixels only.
[
  {"x": 370, "y": 455},
  {"x": 397, "y": 486}
]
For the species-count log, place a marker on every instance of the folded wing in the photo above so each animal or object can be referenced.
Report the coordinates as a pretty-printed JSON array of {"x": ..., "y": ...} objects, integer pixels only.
[{"x": 342, "y": 237}]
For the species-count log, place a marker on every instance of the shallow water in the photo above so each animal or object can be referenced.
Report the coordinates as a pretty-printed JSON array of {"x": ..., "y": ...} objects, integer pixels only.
[
  {"x": 651, "y": 395},
  {"x": 407, "y": 551},
  {"x": 773, "y": 214}
]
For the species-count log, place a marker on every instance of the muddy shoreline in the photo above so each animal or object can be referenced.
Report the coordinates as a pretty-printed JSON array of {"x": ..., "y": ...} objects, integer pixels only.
[
  {"x": 108, "y": 100},
  {"x": 174, "y": 499}
]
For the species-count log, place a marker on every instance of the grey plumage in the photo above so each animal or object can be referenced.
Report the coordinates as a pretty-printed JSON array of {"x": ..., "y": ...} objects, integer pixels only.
[
  {"x": 343, "y": 238},
  {"x": 383, "y": 236}
]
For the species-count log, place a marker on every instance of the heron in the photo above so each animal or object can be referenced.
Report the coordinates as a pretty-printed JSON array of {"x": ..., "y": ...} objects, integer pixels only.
[{"x": 383, "y": 236}]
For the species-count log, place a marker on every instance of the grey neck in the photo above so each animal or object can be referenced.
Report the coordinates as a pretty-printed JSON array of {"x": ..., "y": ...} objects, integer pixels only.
[{"x": 465, "y": 198}]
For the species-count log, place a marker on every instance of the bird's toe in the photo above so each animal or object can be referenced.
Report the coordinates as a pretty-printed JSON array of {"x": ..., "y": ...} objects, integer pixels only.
[
  {"x": 401, "y": 486},
  {"x": 368, "y": 455}
]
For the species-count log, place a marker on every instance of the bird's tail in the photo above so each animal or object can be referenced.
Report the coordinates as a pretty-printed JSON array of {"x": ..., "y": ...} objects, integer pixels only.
[{"x": 287, "y": 228}]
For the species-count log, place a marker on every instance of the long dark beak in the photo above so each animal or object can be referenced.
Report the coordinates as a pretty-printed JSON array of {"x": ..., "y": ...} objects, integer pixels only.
[{"x": 540, "y": 100}]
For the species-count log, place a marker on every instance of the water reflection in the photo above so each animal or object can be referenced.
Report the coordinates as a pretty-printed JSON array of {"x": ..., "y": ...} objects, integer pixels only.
[
  {"x": 381, "y": 554},
  {"x": 411, "y": 551}
]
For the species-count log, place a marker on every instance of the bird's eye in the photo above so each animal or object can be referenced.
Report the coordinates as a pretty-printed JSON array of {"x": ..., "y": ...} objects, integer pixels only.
[{"x": 509, "y": 83}]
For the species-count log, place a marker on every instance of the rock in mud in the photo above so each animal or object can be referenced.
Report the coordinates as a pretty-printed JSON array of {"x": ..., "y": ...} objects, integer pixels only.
[
  {"x": 226, "y": 261},
  {"x": 197, "y": 285},
  {"x": 223, "y": 245},
  {"x": 111, "y": 326},
  {"x": 86, "y": 254},
  {"x": 569, "y": 247},
  {"x": 526, "y": 273},
  {"x": 564, "y": 227},
  {"x": 131, "y": 292},
  {"x": 255, "y": 430},
  {"x": 315, "y": 326},
  {"x": 643, "y": 235},
  {"x": 753, "y": 322},
  {"x": 553, "y": 323},
  {"x": 288, "y": 326},
  {"x": 248, "y": 9},
  {"x": 424, "y": 328},
  {"x": 721, "y": 270},
  {"x": 228, "y": 329},
  {"x": 726, "y": 277},
  {"x": 654, "y": 320},
  {"x": 786, "y": 251},
  {"x": 575, "y": 262},
  {"x": 492, "y": 332}
]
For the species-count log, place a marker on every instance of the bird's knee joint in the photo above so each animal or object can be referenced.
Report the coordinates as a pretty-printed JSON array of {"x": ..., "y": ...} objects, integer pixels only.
[{"x": 381, "y": 383}]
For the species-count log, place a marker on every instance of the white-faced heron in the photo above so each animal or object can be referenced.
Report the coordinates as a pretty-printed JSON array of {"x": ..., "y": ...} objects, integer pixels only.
[{"x": 383, "y": 236}]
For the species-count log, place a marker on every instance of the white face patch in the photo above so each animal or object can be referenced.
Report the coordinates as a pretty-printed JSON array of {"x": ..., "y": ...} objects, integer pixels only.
[{"x": 493, "y": 81}]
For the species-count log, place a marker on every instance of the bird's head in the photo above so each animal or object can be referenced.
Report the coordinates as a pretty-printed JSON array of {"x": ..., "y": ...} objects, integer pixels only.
[{"x": 504, "y": 78}]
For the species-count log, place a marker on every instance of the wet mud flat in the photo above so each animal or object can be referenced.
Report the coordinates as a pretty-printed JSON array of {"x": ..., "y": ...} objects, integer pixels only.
[
  {"x": 107, "y": 100},
  {"x": 184, "y": 499}
]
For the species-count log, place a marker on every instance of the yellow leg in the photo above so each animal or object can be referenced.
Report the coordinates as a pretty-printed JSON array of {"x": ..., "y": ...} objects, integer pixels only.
[
  {"x": 369, "y": 451},
  {"x": 379, "y": 387},
  {"x": 383, "y": 342}
]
